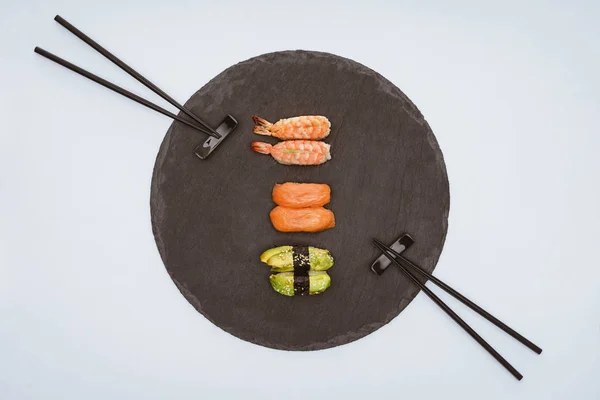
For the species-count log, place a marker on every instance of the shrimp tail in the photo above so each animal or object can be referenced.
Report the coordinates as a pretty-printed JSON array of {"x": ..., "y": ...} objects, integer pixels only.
[
  {"x": 261, "y": 147},
  {"x": 262, "y": 126}
]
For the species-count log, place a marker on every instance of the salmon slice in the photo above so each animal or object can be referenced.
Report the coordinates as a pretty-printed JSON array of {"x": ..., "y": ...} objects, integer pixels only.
[
  {"x": 313, "y": 219},
  {"x": 301, "y": 195}
]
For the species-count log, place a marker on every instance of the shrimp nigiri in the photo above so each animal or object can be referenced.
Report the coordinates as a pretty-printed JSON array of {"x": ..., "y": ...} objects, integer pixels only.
[
  {"x": 300, "y": 195},
  {"x": 312, "y": 219},
  {"x": 295, "y": 152},
  {"x": 308, "y": 127}
]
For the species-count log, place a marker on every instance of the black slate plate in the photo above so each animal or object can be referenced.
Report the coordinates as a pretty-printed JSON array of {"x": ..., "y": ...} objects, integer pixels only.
[{"x": 210, "y": 218}]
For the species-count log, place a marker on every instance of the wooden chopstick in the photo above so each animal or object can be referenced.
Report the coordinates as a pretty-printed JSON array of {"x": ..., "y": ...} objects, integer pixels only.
[
  {"x": 387, "y": 251},
  {"x": 121, "y": 64},
  {"x": 119, "y": 90},
  {"x": 463, "y": 299}
]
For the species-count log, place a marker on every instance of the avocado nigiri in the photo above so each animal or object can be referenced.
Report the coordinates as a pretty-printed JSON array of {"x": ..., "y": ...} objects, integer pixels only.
[
  {"x": 285, "y": 258},
  {"x": 285, "y": 283}
]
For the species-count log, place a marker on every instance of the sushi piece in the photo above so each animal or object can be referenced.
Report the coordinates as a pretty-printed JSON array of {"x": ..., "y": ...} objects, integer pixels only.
[
  {"x": 295, "y": 152},
  {"x": 287, "y": 284},
  {"x": 300, "y": 195},
  {"x": 308, "y": 127},
  {"x": 288, "y": 258},
  {"x": 312, "y": 219}
]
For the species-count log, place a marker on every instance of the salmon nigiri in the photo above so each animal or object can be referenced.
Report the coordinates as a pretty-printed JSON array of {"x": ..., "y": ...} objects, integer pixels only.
[
  {"x": 312, "y": 219},
  {"x": 300, "y": 195},
  {"x": 295, "y": 152},
  {"x": 309, "y": 127}
]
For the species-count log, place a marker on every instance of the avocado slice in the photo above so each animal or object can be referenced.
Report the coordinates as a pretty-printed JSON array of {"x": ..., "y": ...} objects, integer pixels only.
[
  {"x": 320, "y": 259},
  {"x": 283, "y": 261},
  {"x": 271, "y": 252}
]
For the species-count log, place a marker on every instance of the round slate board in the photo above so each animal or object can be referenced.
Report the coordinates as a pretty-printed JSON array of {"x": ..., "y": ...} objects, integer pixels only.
[{"x": 211, "y": 217}]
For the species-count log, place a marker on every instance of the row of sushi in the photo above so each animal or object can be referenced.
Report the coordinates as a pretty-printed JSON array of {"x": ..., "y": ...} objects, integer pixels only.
[
  {"x": 298, "y": 270},
  {"x": 300, "y": 137},
  {"x": 300, "y": 207}
]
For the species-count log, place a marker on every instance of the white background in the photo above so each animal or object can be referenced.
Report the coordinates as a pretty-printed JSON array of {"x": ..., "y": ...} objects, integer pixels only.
[{"x": 512, "y": 92}]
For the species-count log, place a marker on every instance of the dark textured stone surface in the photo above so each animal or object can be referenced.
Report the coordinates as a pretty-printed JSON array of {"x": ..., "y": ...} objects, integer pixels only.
[{"x": 211, "y": 218}]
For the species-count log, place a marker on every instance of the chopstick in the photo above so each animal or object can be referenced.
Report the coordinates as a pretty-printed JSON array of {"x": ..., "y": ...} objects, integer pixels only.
[
  {"x": 131, "y": 72},
  {"x": 119, "y": 90},
  {"x": 388, "y": 253},
  {"x": 463, "y": 299}
]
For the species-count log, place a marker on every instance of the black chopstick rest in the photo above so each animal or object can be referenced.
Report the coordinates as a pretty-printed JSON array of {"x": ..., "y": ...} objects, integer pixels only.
[
  {"x": 203, "y": 150},
  {"x": 403, "y": 243}
]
